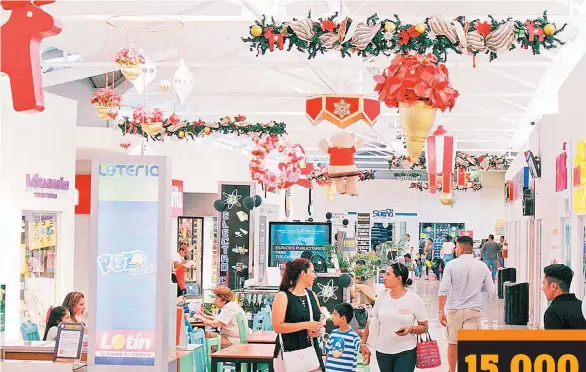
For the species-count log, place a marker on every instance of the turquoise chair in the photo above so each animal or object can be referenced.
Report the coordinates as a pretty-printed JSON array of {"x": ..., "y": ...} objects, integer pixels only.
[
  {"x": 243, "y": 332},
  {"x": 30, "y": 331},
  {"x": 198, "y": 337},
  {"x": 209, "y": 343}
]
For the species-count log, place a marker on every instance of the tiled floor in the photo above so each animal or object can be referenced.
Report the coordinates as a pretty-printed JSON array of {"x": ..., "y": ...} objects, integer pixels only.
[{"x": 493, "y": 317}]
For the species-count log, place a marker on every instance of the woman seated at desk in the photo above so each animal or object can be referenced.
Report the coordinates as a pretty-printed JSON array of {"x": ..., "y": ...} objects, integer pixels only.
[
  {"x": 356, "y": 289},
  {"x": 226, "y": 319}
]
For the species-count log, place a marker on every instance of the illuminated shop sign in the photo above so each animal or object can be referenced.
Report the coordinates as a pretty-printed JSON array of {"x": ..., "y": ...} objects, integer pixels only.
[{"x": 128, "y": 170}]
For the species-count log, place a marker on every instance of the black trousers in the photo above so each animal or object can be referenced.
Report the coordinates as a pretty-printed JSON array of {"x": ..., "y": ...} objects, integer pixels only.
[{"x": 402, "y": 362}]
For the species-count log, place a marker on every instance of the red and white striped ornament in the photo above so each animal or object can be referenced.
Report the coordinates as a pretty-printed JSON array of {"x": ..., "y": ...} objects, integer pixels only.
[{"x": 440, "y": 159}]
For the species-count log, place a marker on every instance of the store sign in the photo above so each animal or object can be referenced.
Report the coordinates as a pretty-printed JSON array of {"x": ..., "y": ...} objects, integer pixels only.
[
  {"x": 128, "y": 217},
  {"x": 579, "y": 180},
  {"x": 235, "y": 226},
  {"x": 383, "y": 213},
  {"x": 46, "y": 187},
  {"x": 469, "y": 233},
  {"x": 176, "y": 198},
  {"x": 363, "y": 233}
]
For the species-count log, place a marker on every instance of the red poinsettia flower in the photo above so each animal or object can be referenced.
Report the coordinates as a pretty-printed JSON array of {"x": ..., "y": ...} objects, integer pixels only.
[
  {"x": 415, "y": 77},
  {"x": 406, "y": 35},
  {"x": 483, "y": 28},
  {"x": 328, "y": 25}
]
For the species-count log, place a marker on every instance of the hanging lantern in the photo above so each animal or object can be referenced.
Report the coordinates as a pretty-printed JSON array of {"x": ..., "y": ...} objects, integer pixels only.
[
  {"x": 148, "y": 74},
  {"x": 342, "y": 111},
  {"x": 183, "y": 81},
  {"x": 441, "y": 154}
]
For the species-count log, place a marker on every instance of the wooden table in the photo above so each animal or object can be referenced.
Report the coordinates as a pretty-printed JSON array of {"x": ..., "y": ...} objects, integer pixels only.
[
  {"x": 262, "y": 337},
  {"x": 196, "y": 323},
  {"x": 31, "y": 350},
  {"x": 244, "y": 353}
]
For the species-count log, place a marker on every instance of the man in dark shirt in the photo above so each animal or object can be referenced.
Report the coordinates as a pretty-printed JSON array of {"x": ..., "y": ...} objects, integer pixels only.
[
  {"x": 489, "y": 254},
  {"x": 565, "y": 311}
]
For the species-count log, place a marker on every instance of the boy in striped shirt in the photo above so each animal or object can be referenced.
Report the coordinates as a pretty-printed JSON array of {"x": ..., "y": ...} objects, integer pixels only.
[{"x": 344, "y": 343}]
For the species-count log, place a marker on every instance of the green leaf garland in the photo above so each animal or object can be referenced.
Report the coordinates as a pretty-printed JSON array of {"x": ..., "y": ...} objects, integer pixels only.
[
  {"x": 402, "y": 39},
  {"x": 424, "y": 186},
  {"x": 464, "y": 161}
]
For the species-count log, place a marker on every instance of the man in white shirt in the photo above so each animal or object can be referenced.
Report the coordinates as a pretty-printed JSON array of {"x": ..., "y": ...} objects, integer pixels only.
[
  {"x": 447, "y": 252},
  {"x": 461, "y": 295}
]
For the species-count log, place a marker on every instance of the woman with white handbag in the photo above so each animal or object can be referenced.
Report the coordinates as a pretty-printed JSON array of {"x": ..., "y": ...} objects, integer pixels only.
[{"x": 296, "y": 319}]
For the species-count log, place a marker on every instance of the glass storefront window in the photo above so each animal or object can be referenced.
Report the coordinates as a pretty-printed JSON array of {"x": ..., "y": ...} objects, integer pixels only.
[
  {"x": 38, "y": 266},
  {"x": 567, "y": 242}
]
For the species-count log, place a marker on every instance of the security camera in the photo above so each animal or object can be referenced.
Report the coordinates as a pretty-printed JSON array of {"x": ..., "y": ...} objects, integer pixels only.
[{"x": 532, "y": 123}]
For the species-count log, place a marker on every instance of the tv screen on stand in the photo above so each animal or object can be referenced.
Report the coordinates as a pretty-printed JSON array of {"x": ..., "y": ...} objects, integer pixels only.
[{"x": 291, "y": 240}]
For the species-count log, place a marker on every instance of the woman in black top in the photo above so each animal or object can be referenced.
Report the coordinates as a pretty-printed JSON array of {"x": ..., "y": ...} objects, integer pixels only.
[{"x": 291, "y": 310}]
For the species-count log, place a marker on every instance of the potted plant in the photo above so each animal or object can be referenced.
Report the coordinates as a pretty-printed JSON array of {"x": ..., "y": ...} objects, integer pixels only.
[
  {"x": 106, "y": 102},
  {"x": 130, "y": 60},
  {"x": 418, "y": 86}
]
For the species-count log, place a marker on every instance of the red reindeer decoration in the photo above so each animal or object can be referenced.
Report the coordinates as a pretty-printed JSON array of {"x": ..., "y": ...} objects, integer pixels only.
[{"x": 20, "y": 38}]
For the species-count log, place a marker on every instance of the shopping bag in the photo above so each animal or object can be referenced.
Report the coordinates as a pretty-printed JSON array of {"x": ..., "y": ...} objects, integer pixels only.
[{"x": 428, "y": 354}]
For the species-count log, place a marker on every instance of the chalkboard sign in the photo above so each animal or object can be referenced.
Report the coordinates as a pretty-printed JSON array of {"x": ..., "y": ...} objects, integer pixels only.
[{"x": 328, "y": 290}]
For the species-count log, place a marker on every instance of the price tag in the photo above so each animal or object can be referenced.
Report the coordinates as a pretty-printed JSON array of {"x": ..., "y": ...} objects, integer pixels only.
[{"x": 521, "y": 351}]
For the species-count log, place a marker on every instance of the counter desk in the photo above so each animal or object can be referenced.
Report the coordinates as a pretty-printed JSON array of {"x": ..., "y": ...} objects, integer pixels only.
[{"x": 30, "y": 352}]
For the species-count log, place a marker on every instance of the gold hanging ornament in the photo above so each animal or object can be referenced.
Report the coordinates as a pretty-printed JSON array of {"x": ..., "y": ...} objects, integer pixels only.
[
  {"x": 130, "y": 72},
  {"x": 416, "y": 121},
  {"x": 446, "y": 199},
  {"x": 390, "y": 27},
  {"x": 256, "y": 30},
  {"x": 420, "y": 27},
  {"x": 164, "y": 85},
  {"x": 181, "y": 134},
  {"x": 549, "y": 29}
]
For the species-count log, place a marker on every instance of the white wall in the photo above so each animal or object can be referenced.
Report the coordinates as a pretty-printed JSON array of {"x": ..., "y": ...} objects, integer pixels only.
[
  {"x": 40, "y": 143},
  {"x": 547, "y": 141},
  {"x": 478, "y": 210}
]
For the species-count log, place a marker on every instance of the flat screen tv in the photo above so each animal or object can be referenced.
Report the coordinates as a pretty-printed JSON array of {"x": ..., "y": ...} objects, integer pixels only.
[{"x": 291, "y": 240}]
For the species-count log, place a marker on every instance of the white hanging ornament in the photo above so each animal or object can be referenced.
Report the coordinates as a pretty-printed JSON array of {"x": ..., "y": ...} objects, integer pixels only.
[
  {"x": 164, "y": 85},
  {"x": 183, "y": 82},
  {"x": 148, "y": 74}
]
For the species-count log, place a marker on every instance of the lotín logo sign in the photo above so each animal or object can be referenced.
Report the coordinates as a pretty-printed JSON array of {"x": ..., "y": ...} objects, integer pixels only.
[
  {"x": 134, "y": 262},
  {"x": 385, "y": 213},
  {"x": 129, "y": 170},
  {"x": 125, "y": 341}
]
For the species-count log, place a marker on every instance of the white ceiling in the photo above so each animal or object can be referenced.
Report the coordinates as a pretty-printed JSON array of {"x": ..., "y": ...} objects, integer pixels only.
[{"x": 495, "y": 101}]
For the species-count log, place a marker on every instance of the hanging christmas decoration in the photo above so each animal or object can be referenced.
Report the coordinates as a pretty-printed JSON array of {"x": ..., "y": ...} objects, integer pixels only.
[
  {"x": 341, "y": 167},
  {"x": 106, "y": 102},
  {"x": 183, "y": 81},
  {"x": 164, "y": 85},
  {"x": 147, "y": 75},
  {"x": 446, "y": 198},
  {"x": 374, "y": 37},
  {"x": 321, "y": 178},
  {"x": 148, "y": 122},
  {"x": 424, "y": 186},
  {"x": 130, "y": 60},
  {"x": 174, "y": 127},
  {"x": 441, "y": 153},
  {"x": 342, "y": 111},
  {"x": 418, "y": 86},
  {"x": 291, "y": 169},
  {"x": 465, "y": 161}
]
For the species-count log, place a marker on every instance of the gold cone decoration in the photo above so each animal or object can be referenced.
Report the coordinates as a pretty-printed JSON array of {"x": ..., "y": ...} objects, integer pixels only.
[
  {"x": 446, "y": 199},
  {"x": 103, "y": 112},
  {"x": 416, "y": 121},
  {"x": 130, "y": 72}
]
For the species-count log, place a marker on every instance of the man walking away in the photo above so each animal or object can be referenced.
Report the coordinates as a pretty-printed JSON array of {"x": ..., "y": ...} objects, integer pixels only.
[
  {"x": 565, "y": 311},
  {"x": 490, "y": 253},
  {"x": 460, "y": 295}
]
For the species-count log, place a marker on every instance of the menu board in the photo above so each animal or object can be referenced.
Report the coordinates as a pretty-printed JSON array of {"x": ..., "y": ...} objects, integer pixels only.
[
  {"x": 363, "y": 233},
  {"x": 235, "y": 234}
]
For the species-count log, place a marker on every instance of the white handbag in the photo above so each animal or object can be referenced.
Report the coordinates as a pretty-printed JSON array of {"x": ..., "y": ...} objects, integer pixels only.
[{"x": 303, "y": 360}]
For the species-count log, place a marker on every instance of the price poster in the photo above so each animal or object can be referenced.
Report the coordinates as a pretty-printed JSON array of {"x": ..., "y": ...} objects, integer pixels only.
[{"x": 522, "y": 351}]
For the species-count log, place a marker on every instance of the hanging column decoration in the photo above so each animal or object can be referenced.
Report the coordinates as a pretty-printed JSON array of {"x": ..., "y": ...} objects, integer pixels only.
[
  {"x": 342, "y": 111},
  {"x": 441, "y": 155}
]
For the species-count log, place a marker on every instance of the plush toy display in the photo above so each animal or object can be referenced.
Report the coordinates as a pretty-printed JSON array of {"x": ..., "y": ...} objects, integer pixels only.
[{"x": 342, "y": 168}]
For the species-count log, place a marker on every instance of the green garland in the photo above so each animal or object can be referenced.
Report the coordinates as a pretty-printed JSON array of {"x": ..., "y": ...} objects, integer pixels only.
[
  {"x": 464, "y": 161},
  {"x": 424, "y": 186},
  {"x": 192, "y": 129},
  {"x": 402, "y": 38}
]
